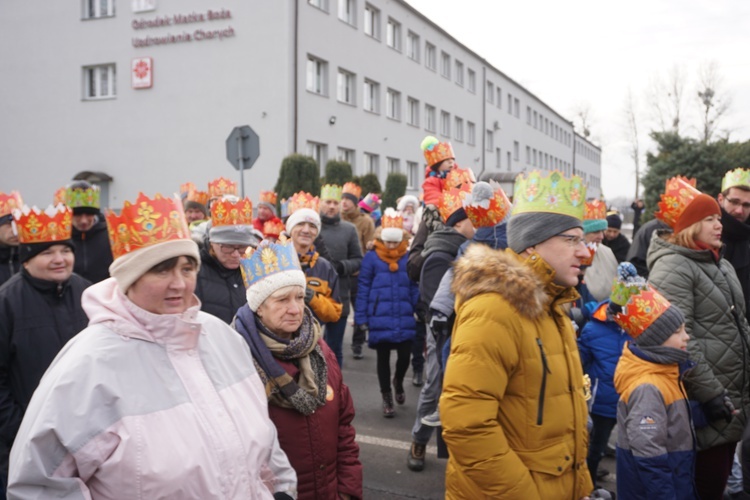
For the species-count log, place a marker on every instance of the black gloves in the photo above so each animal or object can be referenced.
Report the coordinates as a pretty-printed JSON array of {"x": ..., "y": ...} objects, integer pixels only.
[
  {"x": 280, "y": 495},
  {"x": 719, "y": 407},
  {"x": 309, "y": 294},
  {"x": 439, "y": 325},
  {"x": 338, "y": 267}
]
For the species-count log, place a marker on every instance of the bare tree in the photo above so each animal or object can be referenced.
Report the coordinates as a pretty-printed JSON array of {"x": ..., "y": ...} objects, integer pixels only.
[
  {"x": 714, "y": 102},
  {"x": 665, "y": 98},
  {"x": 582, "y": 118},
  {"x": 631, "y": 134}
]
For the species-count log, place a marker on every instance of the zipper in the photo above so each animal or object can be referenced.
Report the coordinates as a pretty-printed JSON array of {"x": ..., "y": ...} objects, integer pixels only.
[{"x": 545, "y": 371}]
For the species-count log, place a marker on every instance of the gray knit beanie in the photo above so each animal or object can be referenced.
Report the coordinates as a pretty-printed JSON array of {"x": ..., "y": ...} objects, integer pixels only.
[
  {"x": 531, "y": 228},
  {"x": 662, "y": 328}
]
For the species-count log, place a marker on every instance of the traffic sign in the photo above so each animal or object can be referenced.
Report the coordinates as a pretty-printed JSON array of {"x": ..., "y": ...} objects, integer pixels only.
[{"x": 243, "y": 147}]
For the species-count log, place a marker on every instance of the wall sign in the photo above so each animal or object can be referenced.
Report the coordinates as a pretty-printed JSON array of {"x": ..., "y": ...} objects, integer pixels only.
[{"x": 142, "y": 73}]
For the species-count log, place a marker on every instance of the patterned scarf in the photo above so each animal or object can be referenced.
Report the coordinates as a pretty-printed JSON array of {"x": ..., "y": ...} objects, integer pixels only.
[{"x": 391, "y": 256}]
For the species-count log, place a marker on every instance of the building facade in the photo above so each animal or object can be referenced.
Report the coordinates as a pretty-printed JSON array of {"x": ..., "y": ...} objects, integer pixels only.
[{"x": 142, "y": 95}]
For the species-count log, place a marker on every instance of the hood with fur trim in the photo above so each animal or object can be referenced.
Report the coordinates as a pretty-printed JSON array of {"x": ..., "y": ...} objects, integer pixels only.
[{"x": 526, "y": 283}]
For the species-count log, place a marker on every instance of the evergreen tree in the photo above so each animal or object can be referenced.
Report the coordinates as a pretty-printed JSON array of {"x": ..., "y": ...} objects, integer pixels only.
[
  {"x": 395, "y": 188},
  {"x": 298, "y": 173},
  {"x": 370, "y": 184},
  {"x": 337, "y": 172}
]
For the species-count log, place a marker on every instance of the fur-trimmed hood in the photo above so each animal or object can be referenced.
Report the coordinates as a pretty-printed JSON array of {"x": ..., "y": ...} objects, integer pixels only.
[{"x": 527, "y": 284}]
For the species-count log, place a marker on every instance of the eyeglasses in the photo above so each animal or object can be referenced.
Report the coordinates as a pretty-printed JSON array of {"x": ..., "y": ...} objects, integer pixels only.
[
  {"x": 572, "y": 239},
  {"x": 735, "y": 202},
  {"x": 230, "y": 249}
]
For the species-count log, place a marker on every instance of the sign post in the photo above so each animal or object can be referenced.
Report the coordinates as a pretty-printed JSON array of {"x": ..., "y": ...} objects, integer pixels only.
[{"x": 243, "y": 148}]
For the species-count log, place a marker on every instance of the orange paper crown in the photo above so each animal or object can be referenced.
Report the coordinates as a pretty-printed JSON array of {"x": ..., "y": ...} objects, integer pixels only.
[
  {"x": 302, "y": 199},
  {"x": 221, "y": 186},
  {"x": 641, "y": 310},
  {"x": 273, "y": 227},
  {"x": 35, "y": 226},
  {"x": 458, "y": 177},
  {"x": 186, "y": 188},
  {"x": 12, "y": 201},
  {"x": 678, "y": 194},
  {"x": 452, "y": 200},
  {"x": 591, "y": 247},
  {"x": 145, "y": 223},
  {"x": 436, "y": 151},
  {"x": 353, "y": 189},
  {"x": 198, "y": 197},
  {"x": 59, "y": 196},
  {"x": 486, "y": 212},
  {"x": 268, "y": 197},
  {"x": 226, "y": 213},
  {"x": 392, "y": 219},
  {"x": 595, "y": 210}
]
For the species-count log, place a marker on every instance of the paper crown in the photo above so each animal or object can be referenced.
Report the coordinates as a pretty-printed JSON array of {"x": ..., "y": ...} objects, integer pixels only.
[
  {"x": 145, "y": 223},
  {"x": 59, "y": 196},
  {"x": 83, "y": 198},
  {"x": 641, "y": 310},
  {"x": 391, "y": 218},
  {"x": 220, "y": 187},
  {"x": 678, "y": 194},
  {"x": 268, "y": 197},
  {"x": 457, "y": 177},
  {"x": 552, "y": 193},
  {"x": 595, "y": 210},
  {"x": 452, "y": 200},
  {"x": 226, "y": 213},
  {"x": 186, "y": 188},
  {"x": 735, "y": 178},
  {"x": 487, "y": 204},
  {"x": 436, "y": 151},
  {"x": 353, "y": 189},
  {"x": 302, "y": 199},
  {"x": 35, "y": 226},
  {"x": 198, "y": 197},
  {"x": 10, "y": 202},
  {"x": 591, "y": 247},
  {"x": 371, "y": 202},
  {"x": 330, "y": 192},
  {"x": 273, "y": 227},
  {"x": 266, "y": 260}
]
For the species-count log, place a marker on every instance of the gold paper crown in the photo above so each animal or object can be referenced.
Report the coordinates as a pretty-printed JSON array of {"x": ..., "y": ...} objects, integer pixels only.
[
  {"x": 268, "y": 197},
  {"x": 436, "y": 151},
  {"x": 266, "y": 260},
  {"x": 330, "y": 192},
  {"x": 487, "y": 212},
  {"x": 301, "y": 199},
  {"x": 452, "y": 200},
  {"x": 641, "y": 310},
  {"x": 59, "y": 196},
  {"x": 273, "y": 227},
  {"x": 595, "y": 210},
  {"x": 145, "y": 223},
  {"x": 735, "y": 178},
  {"x": 458, "y": 177},
  {"x": 198, "y": 197},
  {"x": 220, "y": 187},
  {"x": 186, "y": 188},
  {"x": 226, "y": 213},
  {"x": 552, "y": 194},
  {"x": 391, "y": 218},
  {"x": 678, "y": 194},
  {"x": 80, "y": 198},
  {"x": 10, "y": 202},
  {"x": 35, "y": 226},
  {"x": 353, "y": 189}
]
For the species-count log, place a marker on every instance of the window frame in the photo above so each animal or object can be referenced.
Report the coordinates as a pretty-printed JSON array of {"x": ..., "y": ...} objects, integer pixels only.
[
  {"x": 92, "y": 74},
  {"x": 372, "y": 97},
  {"x": 393, "y": 34},
  {"x": 352, "y": 87},
  {"x": 91, "y": 9},
  {"x": 393, "y": 104},
  {"x": 320, "y": 76},
  {"x": 372, "y": 28},
  {"x": 430, "y": 56}
]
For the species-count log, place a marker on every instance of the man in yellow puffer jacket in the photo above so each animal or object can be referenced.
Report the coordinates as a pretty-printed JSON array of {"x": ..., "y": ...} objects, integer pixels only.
[{"x": 513, "y": 406}]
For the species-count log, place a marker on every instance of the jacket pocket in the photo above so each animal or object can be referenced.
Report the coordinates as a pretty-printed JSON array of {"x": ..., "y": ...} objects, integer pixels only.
[{"x": 543, "y": 388}]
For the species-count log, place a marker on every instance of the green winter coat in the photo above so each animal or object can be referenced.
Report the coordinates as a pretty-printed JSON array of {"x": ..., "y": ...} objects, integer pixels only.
[{"x": 710, "y": 296}]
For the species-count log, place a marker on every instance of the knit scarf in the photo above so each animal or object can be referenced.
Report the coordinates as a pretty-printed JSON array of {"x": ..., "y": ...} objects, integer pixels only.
[
  {"x": 308, "y": 260},
  {"x": 308, "y": 393},
  {"x": 663, "y": 355},
  {"x": 391, "y": 256},
  {"x": 714, "y": 252}
]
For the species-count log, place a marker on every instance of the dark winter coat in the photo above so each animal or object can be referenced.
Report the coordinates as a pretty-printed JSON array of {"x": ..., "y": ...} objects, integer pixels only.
[
  {"x": 416, "y": 259},
  {"x": 9, "y": 264},
  {"x": 619, "y": 247},
  {"x": 386, "y": 301},
  {"x": 221, "y": 290},
  {"x": 37, "y": 318},
  {"x": 342, "y": 242},
  {"x": 600, "y": 346},
  {"x": 641, "y": 241},
  {"x": 93, "y": 252},
  {"x": 441, "y": 249},
  {"x": 736, "y": 238}
]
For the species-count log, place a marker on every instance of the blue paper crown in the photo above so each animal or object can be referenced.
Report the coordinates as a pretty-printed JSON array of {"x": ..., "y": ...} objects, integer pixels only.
[{"x": 268, "y": 259}]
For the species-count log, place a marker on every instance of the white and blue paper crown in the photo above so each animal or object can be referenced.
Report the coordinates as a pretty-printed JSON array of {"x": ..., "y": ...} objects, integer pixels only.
[{"x": 268, "y": 259}]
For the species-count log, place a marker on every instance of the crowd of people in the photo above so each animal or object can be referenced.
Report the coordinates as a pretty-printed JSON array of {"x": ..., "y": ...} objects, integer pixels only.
[{"x": 193, "y": 347}]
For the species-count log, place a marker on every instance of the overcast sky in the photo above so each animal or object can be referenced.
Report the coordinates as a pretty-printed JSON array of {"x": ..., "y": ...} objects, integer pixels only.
[{"x": 589, "y": 53}]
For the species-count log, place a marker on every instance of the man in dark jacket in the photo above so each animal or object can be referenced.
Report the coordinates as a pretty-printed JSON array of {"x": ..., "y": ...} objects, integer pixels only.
[
  {"x": 90, "y": 236},
  {"x": 734, "y": 200},
  {"x": 40, "y": 310},
  {"x": 342, "y": 241},
  {"x": 614, "y": 239},
  {"x": 9, "y": 264}
]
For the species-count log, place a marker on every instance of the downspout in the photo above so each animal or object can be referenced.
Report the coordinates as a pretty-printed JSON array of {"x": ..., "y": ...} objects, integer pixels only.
[
  {"x": 484, "y": 119},
  {"x": 295, "y": 72}
]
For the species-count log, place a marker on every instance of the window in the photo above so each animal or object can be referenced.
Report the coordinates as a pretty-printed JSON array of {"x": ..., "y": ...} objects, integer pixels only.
[
  {"x": 393, "y": 34},
  {"x": 459, "y": 73},
  {"x": 489, "y": 140},
  {"x": 412, "y": 46},
  {"x": 445, "y": 65},
  {"x": 516, "y": 108},
  {"x": 430, "y": 56},
  {"x": 412, "y": 174},
  {"x": 528, "y": 115},
  {"x": 347, "y": 11},
  {"x": 445, "y": 123},
  {"x": 528, "y": 155},
  {"x": 459, "y": 132},
  {"x": 510, "y": 104},
  {"x": 370, "y": 97},
  {"x": 499, "y": 98},
  {"x": 316, "y": 75},
  {"x": 535, "y": 120},
  {"x": 371, "y": 164},
  {"x": 498, "y": 159},
  {"x": 509, "y": 161},
  {"x": 472, "y": 81},
  {"x": 516, "y": 147},
  {"x": 429, "y": 113},
  {"x": 99, "y": 82},
  {"x": 347, "y": 155},
  {"x": 372, "y": 21},
  {"x": 345, "y": 87},
  {"x": 471, "y": 133},
  {"x": 394, "y": 166},
  {"x": 490, "y": 93},
  {"x": 93, "y": 9},
  {"x": 393, "y": 104},
  {"x": 317, "y": 151},
  {"x": 412, "y": 117},
  {"x": 534, "y": 159}
]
